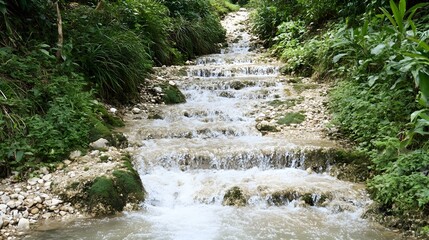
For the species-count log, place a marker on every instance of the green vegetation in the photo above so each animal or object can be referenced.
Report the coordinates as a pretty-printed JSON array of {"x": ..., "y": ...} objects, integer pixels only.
[
  {"x": 291, "y": 118},
  {"x": 377, "y": 55},
  {"x": 51, "y": 74}
]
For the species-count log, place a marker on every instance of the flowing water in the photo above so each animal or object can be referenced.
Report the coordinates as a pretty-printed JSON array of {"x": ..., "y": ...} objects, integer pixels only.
[{"x": 201, "y": 149}]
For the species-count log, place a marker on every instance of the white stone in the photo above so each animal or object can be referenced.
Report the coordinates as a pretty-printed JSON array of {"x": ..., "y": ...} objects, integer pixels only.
[
  {"x": 3, "y": 208},
  {"x": 23, "y": 224},
  {"x": 75, "y": 154},
  {"x": 5, "y": 199},
  {"x": 158, "y": 89},
  {"x": 18, "y": 190},
  {"x": 99, "y": 144},
  {"x": 113, "y": 110},
  {"x": 172, "y": 83},
  {"x": 11, "y": 204},
  {"x": 47, "y": 177},
  {"x": 94, "y": 153},
  {"x": 38, "y": 199},
  {"x": 1, "y": 222},
  {"x": 136, "y": 110},
  {"x": 67, "y": 162},
  {"x": 55, "y": 202},
  {"x": 14, "y": 196}
]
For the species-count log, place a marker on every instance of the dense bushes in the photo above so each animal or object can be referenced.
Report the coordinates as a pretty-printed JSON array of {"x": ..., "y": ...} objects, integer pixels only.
[{"x": 380, "y": 68}]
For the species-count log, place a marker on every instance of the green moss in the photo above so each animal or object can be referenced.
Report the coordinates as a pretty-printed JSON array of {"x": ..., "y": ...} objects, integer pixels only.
[
  {"x": 103, "y": 191},
  {"x": 237, "y": 85},
  {"x": 234, "y": 197},
  {"x": 268, "y": 128},
  {"x": 104, "y": 158},
  {"x": 99, "y": 130},
  {"x": 308, "y": 199},
  {"x": 129, "y": 184},
  {"x": 288, "y": 102},
  {"x": 108, "y": 118},
  {"x": 301, "y": 87},
  {"x": 154, "y": 116},
  {"x": 291, "y": 118},
  {"x": 172, "y": 94}
]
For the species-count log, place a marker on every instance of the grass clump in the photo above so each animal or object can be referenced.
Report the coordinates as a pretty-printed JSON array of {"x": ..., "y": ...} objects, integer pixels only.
[{"x": 291, "y": 118}]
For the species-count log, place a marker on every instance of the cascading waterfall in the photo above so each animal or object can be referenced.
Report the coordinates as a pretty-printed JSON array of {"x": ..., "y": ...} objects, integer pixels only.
[{"x": 198, "y": 151}]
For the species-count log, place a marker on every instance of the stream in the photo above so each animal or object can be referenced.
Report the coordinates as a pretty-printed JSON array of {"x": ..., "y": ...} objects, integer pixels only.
[{"x": 200, "y": 150}]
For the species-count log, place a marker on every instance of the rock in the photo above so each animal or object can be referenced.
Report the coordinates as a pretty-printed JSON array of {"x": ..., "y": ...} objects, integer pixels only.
[
  {"x": 23, "y": 224},
  {"x": 158, "y": 89},
  {"x": 38, "y": 199},
  {"x": 67, "y": 162},
  {"x": 11, "y": 204},
  {"x": 172, "y": 83},
  {"x": 75, "y": 154},
  {"x": 55, "y": 202},
  {"x": 99, "y": 144},
  {"x": 33, "y": 181},
  {"x": 47, "y": 177},
  {"x": 1, "y": 222},
  {"x": 34, "y": 211},
  {"x": 136, "y": 110},
  {"x": 3, "y": 208},
  {"x": 113, "y": 110},
  {"x": 5, "y": 199}
]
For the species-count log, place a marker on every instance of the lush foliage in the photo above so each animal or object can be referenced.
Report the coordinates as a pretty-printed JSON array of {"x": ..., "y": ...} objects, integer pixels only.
[{"x": 377, "y": 54}]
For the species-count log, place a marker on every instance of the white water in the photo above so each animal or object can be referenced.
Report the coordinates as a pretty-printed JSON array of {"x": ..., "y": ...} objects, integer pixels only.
[{"x": 203, "y": 148}]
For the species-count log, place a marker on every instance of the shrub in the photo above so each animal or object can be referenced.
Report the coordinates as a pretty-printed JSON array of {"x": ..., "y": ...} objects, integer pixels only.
[{"x": 114, "y": 60}]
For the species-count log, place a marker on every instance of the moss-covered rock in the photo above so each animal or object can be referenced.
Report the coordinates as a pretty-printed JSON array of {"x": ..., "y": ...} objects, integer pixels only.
[
  {"x": 108, "y": 192},
  {"x": 237, "y": 85},
  {"x": 291, "y": 118},
  {"x": 234, "y": 197},
  {"x": 172, "y": 94}
]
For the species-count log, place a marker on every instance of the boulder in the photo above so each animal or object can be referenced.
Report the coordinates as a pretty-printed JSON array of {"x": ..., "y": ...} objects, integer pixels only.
[{"x": 99, "y": 144}]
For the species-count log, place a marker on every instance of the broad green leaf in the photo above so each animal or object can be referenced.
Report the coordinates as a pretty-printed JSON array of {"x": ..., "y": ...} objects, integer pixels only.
[
  {"x": 44, "y": 52},
  {"x": 337, "y": 57}
]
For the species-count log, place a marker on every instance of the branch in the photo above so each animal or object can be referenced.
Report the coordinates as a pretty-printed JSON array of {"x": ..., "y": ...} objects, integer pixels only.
[{"x": 60, "y": 31}]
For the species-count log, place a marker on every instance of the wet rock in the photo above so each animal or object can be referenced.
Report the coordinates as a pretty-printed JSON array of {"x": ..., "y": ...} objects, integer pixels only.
[
  {"x": 23, "y": 224},
  {"x": 99, "y": 144},
  {"x": 234, "y": 197}
]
